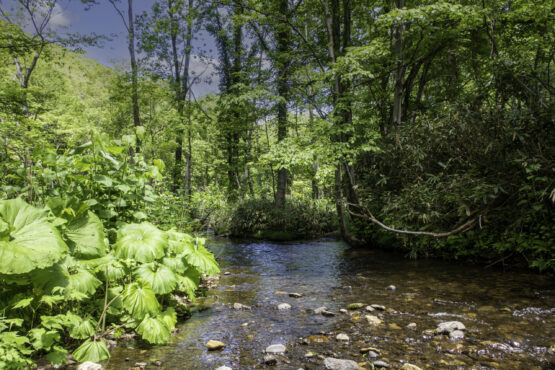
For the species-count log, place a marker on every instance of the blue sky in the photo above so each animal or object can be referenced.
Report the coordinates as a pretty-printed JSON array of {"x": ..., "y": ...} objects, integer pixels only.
[{"x": 102, "y": 19}]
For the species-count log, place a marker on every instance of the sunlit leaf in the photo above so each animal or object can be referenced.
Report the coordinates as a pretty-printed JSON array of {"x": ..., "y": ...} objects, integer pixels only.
[
  {"x": 92, "y": 351},
  {"x": 142, "y": 242}
]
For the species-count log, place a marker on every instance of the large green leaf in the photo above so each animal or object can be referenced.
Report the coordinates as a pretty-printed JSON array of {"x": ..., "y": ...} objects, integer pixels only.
[
  {"x": 108, "y": 266},
  {"x": 175, "y": 264},
  {"x": 142, "y": 242},
  {"x": 177, "y": 241},
  {"x": 83, "y": 329},
  {"x": 195, "y": 254},
  {"x": 82, "y": 281},
  {"x": 169, "y": 317},
  {"x": 33, "y": 242},
  {"x": 139, "y": 299},
  {"x": 161, "y": 278},
  {"x": 154, "y": 330},
  {"x": 92, "y": 351},
  {"x": 86, "y": 236},
  {"x": 189, "y": 282}
]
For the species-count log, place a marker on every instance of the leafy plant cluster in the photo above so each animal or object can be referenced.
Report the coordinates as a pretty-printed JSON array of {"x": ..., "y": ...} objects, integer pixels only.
[{"x": 65, "y": 286}]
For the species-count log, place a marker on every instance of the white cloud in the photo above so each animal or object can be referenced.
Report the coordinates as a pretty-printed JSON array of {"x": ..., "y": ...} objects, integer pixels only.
[{"x": 59, "y": 18}]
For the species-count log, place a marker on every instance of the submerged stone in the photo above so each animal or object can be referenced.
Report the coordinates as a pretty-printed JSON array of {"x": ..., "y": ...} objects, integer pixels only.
[
  {"x": 284, "y": 306},
  {"x": 342, "y": 337},
  {"x": 373, "y": 320},
  {"x": 276, "y": 348},
  {"x": 338, "y": 364}
]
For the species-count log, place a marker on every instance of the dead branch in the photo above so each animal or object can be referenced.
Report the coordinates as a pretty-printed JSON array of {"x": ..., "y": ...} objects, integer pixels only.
[{"x": 367, "y": 215}]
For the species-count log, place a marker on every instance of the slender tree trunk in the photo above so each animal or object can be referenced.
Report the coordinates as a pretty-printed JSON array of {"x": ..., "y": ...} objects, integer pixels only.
[
  {"x": 283, "y": 62},
  {"x": 134, "y": 72},
  {"x": 397, "y": 116}
]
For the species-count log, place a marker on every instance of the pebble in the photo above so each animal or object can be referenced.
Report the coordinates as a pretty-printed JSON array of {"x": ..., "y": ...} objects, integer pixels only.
[
  {"x": 355, "y": 306},
  {"x": 239, "y": 306},
  {"x": 338, "y": 364},
  {"x": 411, "y": 326},
  {"x": 449, "y": 326},
  {"x": 284, "y": 306},
  {"x": 370, "y": 309},
  {"x": 342, "y": 336},
  {"x": 295, "y": 295},
  {"x": 410, "y": 367},
  {"x": 227, "y": 273},
  {"x": 380, "y": 364},
  {"x": 270, "y": 360},
  {"x": 315, "y": 339},
  {"x": 456, "y": 334},
  {"x": 309, "y": 355},
  {"x": 327, "y": 313},
  {"x": 319, "y": 310},
  {"x": 157, "y": 363},
  {"x": 391, "y": 287},
  {"x": 368, "y": 349},
  {"x": 276, "y": 348},
  {"x": 343, "y": 310},
  {"x": 224, "y": 368},
  {"x": 373, "y": 320},
  {"x": 378, "y": 307},
  {"x": 141, "y": 365},
  {"x": 213, "y": 345},
  {"x": 89, "y": 365}
]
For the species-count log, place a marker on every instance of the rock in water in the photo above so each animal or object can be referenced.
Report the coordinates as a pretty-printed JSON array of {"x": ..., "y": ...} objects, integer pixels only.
[
  {"x": 410, "y": 367},
  {"x": 214, "y": 345},
  {"x": 449, "y": 326},
  {"x": 391, "y": 287},
  {"x": 381, "y": 364},
  {"x": 270, "y": 360},
  {"x": 327, "y": 313},
  {"x": 89, "y": 365},
  {"x": 355, "y": 306},
  {"x": 319, "y": 310},
  {"x": 284, "y": 306},
  {"x": 224, "y": 368},
  {"x": 373, "y": 320},
  {"x": 378, "y": 307},
  {"x": 337, "y": 364},
  {"x": 343, "y": 337},
  {"x": 295, "y": 295},
  {"x": 411, "y": 326},
  {"x": 239, "y": 306},
  {"x": 276, "y": 348},
  {"x": 456, "y": 334}
]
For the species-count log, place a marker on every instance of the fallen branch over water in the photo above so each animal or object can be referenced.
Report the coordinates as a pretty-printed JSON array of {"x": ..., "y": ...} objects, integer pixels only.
[{"x": 367, "y": 215}]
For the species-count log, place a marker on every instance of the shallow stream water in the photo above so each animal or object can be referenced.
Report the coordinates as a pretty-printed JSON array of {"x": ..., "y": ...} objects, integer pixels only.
[{"x": 509, "y": 317}]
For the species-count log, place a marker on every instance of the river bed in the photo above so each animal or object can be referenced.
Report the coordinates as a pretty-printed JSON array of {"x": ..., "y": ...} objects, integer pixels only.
[{"x": 509, "y": 316}]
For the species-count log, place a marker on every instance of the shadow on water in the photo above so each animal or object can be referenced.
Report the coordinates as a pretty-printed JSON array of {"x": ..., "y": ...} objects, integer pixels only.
[{"x": 508, "y": 316}]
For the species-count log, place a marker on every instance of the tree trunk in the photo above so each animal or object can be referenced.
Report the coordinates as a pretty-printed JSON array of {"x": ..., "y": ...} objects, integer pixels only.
[
  {"x": 134, "y": 73},
  {"x": 397, "y": 115}
]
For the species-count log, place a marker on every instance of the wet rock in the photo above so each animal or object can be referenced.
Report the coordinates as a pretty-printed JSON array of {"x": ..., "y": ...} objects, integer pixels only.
[
  {"x": 343, "y": 310},
  {"x": 309, "y": 354},
  {"x": 410, "y": 367},
  {"x": 245, "y": 324},
  {"x": 157, "y": 363},
  {"x": 551, "y": 350},
  {"x": 295, "y": 295},
  {"x": 411, "y": 326},
  {"x": 319, "y": 310},
  {"x": 270, "y": 360},
  {"x": 449, "y": 326},
  {"x": 370, "y": 309},
  {"x": 391, "y": 287},
  {"x": 239, "y": 306},
  {"x": 315, "y": 339},
  {"x": 342, "y": 337},
  {"x": 355, "y": 306},
  {"x": 380, "y": 364},
  {"x": 284, "y": 306},
  {"x": 140, "y": 365},
  {"x": 327, "y": 313},
  {"x": 369, "y": 349},
  {"x": 373, "y": 320},
  {"x": 394, "y": 326},
  {"x": 227, "y": 273},
  {"x": 276, "y": 348},
  {"x": 89, "y": 365},
  {"x": 456, "y": 334},
  {"x": 214, "y": 345},
  {"x": 337, "y": 364},
  {"x": 378, "y": 307},
  {"x": 224, "y": 368}
]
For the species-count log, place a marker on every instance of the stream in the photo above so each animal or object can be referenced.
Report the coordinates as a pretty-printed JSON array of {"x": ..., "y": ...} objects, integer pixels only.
[{"x": 509, "y": 317}]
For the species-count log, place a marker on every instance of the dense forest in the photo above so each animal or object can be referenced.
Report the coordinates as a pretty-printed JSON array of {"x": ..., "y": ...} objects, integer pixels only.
[{"x": 422, "y": 126}]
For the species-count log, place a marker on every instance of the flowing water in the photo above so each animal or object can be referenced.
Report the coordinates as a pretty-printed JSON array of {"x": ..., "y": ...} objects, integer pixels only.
[{"x": 509, "y": 317}]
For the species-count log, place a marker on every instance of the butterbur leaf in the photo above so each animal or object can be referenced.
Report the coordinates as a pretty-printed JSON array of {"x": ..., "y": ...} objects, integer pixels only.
[
  {"x": 154, "y": 330},
  {"x": 33, "y": 242},
  {"x": 175, "y": 264},
  {"x": 178, "y": 242},
  {"x": 201, "y": 258},
  {"x": 161, "y": 278},
  {"x": 92, "y": 351},
  {"x": 83, "y": 329},
  {"x": 189, "y": 282},
  {"x": 86, "y": 236},
  {"x": 108, "y": 266},
  {"x": 139, "y": 299},
  {"x": 43, "y": 339},
  {"x": 57, "y": 355},
  {"x": 169, "y": 317},
  {"x": 142, "y": 242},
  {"x": 82, "y": 282}
]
